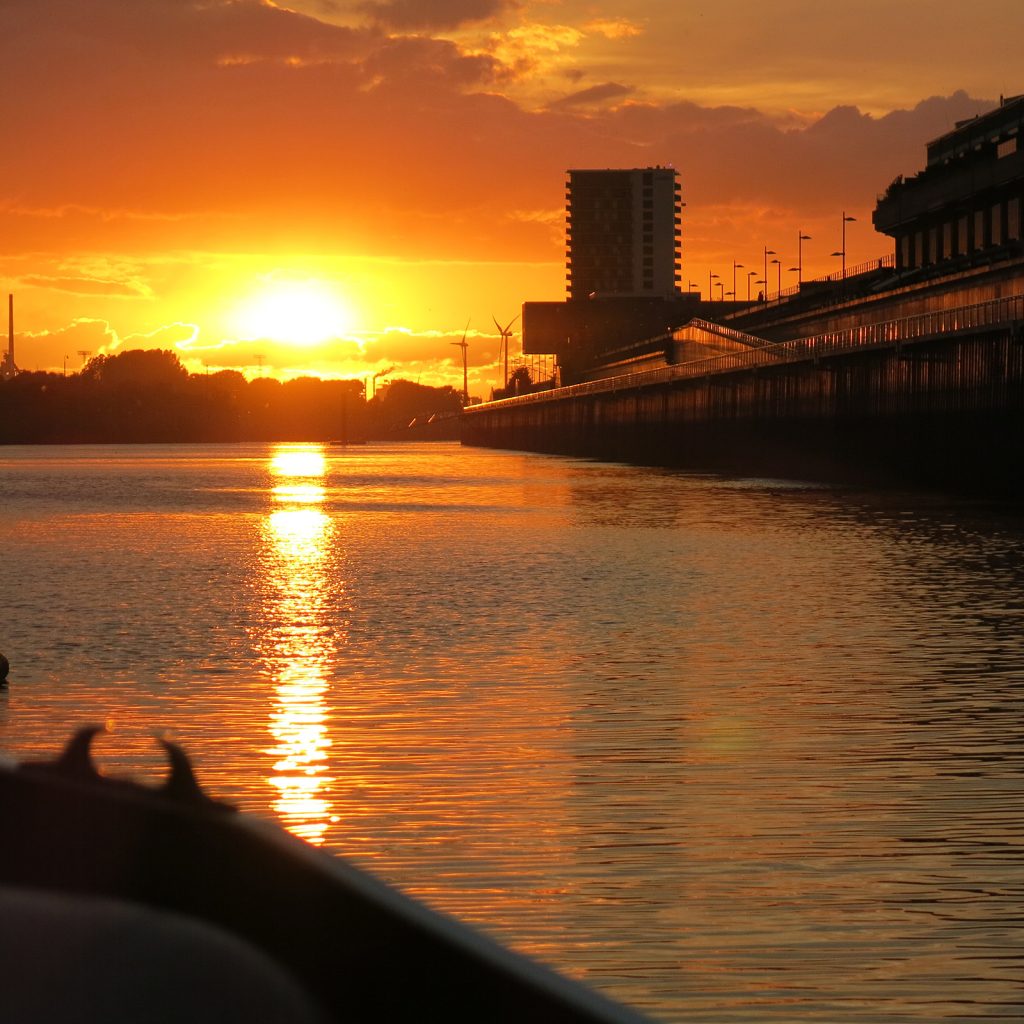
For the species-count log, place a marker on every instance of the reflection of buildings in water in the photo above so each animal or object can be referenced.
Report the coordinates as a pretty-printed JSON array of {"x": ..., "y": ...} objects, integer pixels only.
[{"x": 298, "y": 536}]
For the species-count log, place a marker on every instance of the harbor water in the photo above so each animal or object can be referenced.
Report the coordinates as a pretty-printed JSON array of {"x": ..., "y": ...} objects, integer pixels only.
[{"x": 729, "y": 750}]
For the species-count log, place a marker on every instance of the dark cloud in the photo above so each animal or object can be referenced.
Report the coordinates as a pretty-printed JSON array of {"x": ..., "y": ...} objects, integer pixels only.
[
  {"x": 438, "y": 62},
  {"x": 594, "y": 96},
  {"x": 242, "y": 125},
  {"x": 438, "y": 15},
  {"x": 149, "y": 37},
  {"x": 731, "y": 154}
]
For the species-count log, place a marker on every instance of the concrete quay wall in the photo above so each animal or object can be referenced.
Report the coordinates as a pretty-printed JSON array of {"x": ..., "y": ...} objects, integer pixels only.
[{"x": 946, "y": 412}]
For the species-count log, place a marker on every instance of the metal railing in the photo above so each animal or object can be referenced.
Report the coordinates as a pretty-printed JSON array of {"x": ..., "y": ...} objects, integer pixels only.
[
  {"x": 708, "y": 326},
  {"x": 869, "y": 266},
  {"x": 993, "y": 313}
]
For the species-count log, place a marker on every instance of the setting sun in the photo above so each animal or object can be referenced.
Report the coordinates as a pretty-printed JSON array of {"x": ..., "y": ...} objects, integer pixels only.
[{"x": 296, "y": 312}]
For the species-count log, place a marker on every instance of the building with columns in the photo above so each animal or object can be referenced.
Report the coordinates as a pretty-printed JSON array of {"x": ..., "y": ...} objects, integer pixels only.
[{"x": 966, "y": 207}]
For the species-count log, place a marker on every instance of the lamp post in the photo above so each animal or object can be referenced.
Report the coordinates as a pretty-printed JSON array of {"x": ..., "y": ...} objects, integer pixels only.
[
  {"x": 778, "y": 287},
  {"x": 842, "y": 251},
  {"x": 764, "y": 286},
  {"x": 800, "y": 239},
  {"x": 767, "y": 252},
  {"x": 750, "y": 274},
  {"x": 721, "y": 294},
  {"x": 735, "y": 266},
  {"x": 711, "y": 294}
]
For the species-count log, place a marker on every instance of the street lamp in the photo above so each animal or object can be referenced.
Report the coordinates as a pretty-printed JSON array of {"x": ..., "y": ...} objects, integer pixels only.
[
  {"x": 735, "y": 266},
  {"x": 800, "y": 239},
  {"x": 767, "y": 252},
  {"x": 711, "y": 294},
  {"x": 778, "y": 287},
  {"x": 842, "y": 252},
  {"x": 750, "y": 274},
  {"x": 764, "y": 285},
  {"x": 721, "y": 294}
]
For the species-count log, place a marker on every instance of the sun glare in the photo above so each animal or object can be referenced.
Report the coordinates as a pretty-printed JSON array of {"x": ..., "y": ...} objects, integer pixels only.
[{"x": 298, "y": 313}]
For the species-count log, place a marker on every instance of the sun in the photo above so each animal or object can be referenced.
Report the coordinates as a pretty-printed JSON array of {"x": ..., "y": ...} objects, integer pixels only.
[{"x": 301, "y": 313}]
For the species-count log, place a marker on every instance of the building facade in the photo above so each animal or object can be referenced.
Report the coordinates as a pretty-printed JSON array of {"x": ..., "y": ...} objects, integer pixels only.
[
  {"x": 967, "y": 205},
  {"x": 622, "y": 233}
]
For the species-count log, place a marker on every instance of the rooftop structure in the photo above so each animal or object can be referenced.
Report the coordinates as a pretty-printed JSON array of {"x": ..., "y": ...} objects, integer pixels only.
[
  {"x": 622, "y": 233},
  {"x": 966, "y": 205}
]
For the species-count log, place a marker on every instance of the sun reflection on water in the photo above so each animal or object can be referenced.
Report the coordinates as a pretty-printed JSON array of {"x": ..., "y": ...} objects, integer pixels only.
[{"x": 298, "y": 536}]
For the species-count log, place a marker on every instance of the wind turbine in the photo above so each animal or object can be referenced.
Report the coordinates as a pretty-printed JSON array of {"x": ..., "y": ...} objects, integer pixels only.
[
  {"x": 464, "y": 345},
  {"x": 506, "y": 333}
]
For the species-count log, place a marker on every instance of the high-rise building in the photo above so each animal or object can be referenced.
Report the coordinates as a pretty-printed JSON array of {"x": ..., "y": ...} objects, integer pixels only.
[{"x": 622, "y": 233}]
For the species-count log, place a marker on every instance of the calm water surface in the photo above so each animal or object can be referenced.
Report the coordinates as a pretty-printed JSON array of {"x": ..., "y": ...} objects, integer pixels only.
[{"x": 729, "y": 750}]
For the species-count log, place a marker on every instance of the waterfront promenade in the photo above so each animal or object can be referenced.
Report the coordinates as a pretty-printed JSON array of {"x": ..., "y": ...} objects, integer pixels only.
[{"x": 934, "y": 397}]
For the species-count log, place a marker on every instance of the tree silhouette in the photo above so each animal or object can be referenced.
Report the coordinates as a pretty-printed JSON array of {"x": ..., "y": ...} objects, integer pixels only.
[{"x": 148, "y": 396}]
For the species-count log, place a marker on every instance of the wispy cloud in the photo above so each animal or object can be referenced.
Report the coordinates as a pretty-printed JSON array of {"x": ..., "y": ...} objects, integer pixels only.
[
  {"x": 614, "y": 28},
  {"x": 85, "y": 286}
]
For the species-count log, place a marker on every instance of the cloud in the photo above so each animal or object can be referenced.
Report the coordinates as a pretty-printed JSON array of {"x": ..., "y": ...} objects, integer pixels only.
[
  {"x": 546, "y": 38},
  {"x": 437, "y": 15},
  {"x": 596, "y": 95},
  {"x": 614, "y": 28},
  {"x": 402, "y": 346},
  {"x": 85, "y": 286},
  {"x": 176, "y": 335},
  {"x": 403, "y": 60},
  {"x": 241, "y": 128},
  {"x": 61, "y": 347}
]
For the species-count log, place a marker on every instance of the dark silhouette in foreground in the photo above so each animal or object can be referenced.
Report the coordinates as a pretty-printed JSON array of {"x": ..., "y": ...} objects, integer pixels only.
[{"x": 109, "y": 884}]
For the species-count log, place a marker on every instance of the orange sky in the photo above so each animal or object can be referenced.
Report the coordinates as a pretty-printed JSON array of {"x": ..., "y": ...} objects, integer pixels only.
[{"x": 337, "y": 187}]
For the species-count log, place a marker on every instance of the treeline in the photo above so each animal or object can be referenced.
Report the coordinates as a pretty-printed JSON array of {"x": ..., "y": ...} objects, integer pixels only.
[{"x": 148, "y": 396}]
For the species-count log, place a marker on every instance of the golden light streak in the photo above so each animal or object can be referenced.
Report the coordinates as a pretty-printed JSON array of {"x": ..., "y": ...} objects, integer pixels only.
[
  {"x": 298, "y": 461},
  {"x": 298, "y": 538}
]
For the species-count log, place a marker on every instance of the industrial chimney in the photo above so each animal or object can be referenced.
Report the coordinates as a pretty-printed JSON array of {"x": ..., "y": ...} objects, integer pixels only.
[{"x": 7, "y": 367}]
